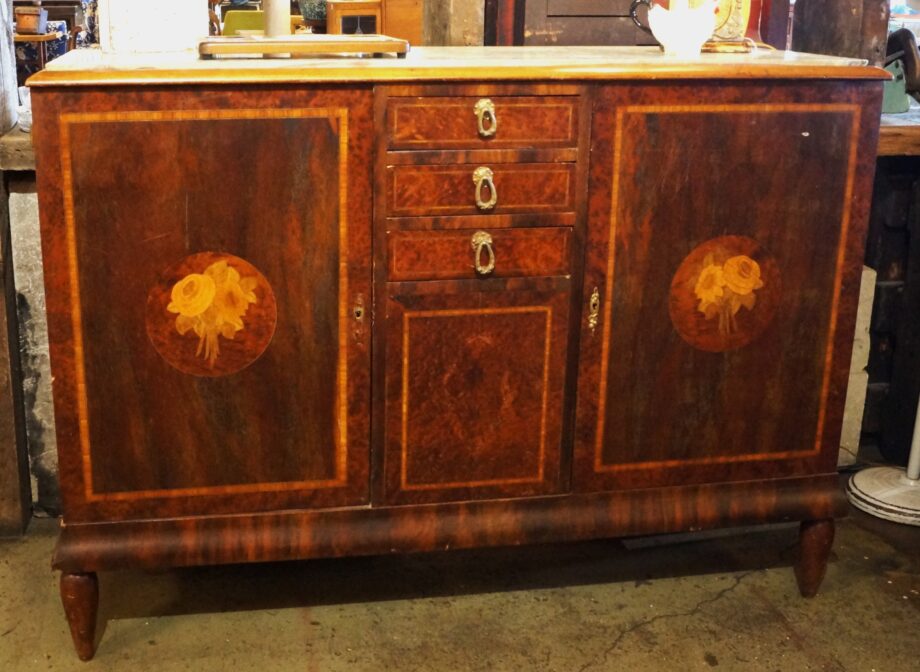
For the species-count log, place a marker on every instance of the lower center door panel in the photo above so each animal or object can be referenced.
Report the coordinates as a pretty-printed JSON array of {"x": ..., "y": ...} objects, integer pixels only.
[{"x": 474, "y": 389}]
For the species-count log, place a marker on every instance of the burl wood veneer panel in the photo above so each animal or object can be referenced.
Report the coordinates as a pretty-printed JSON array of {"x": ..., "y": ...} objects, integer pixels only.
[
  {"x": 435, "y": 122},
  {"x": 450, "y": 189},
  {"x": 205, "y": 352},
  {"x": 725, "y": 243},
  {"x": 442, "y": 255},
  {"x": 474, "y": 391}
]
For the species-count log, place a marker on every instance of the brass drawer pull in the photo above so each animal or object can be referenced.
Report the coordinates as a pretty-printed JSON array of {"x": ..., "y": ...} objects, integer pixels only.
[
  {"x": 482, "y": 240},
  {"x": 484, "y": 176},
  {"x": 594, "y": 309},
  {"x": 485, "y": 111}
]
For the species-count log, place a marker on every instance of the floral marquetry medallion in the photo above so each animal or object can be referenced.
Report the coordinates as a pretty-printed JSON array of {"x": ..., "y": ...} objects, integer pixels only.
[
  {"x": 211, "y": 314},
  {"x": 725, "y": 294}
]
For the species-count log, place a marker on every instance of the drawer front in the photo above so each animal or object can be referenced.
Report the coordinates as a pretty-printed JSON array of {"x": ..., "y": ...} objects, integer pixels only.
[
  {"x": 471, "y": 189},
  {"x": 502, "y": 253},
  {"x": 482, "y": 121}
]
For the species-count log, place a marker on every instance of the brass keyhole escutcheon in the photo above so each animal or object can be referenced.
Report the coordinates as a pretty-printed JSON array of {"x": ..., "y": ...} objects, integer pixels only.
[
  {"x": 486, "y": 120},
  {"x": 358, "y": 327},
  {"x": 594, "y": 309},
  {"x": 480, "y": 242},
  {"x": 484, "y": 177}
]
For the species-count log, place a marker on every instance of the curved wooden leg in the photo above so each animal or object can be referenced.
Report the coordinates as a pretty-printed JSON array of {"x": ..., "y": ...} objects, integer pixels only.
[
  {"x": 815, "y": 540},
  {"x": 80, "y": 595}
]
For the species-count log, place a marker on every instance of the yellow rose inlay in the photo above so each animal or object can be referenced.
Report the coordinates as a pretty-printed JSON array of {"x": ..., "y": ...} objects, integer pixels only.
[
  {"x": 742, "y": 275},
  {"x": 724, "y": 289},
  {"x": 709, "y": 287},
  {"x": 192, "y": 295},
  {"x": 212, "y": 304}
]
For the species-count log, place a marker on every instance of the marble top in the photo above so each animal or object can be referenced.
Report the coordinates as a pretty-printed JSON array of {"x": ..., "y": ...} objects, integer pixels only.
[{"x": 93, "y": 67}]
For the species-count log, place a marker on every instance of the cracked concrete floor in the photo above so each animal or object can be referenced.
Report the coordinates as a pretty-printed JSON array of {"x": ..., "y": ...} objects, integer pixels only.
[{"x": 668, "y": 603}]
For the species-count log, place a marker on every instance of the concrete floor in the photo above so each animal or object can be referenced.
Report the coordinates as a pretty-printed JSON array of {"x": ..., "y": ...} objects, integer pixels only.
[{"x": 726, "y": 602}]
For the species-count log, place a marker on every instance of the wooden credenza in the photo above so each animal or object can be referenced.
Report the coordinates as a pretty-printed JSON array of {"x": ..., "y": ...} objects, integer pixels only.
[{"x": 305, "y": 309}]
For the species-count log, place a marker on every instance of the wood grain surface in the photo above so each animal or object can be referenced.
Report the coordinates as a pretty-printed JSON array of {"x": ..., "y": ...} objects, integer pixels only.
[
  {"x": 286, "y": 535},
  {"x": 720, "y": 226},
  {"x": 15, "y": 493},
  {"x": 128, "y": 194},
  {"x": 899, "y": 134},
  {"x": 450, "y": 189},
  {"x": 577, "y": 23},
  {"x": 444, "y": 255},
  {"x": 816, "y": 537},
  {"x": 842, "y": 27},
  {"x": 80, "y": 597},
  {"x": 671, "y": 174},
  {"x": 521, "y": 121},
  {"x": 474, "y": 391}
]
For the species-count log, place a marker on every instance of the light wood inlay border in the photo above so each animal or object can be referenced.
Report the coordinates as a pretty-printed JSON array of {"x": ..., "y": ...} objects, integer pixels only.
[
  {"x": 541, "y": 465},
  {"x": 334, "y": 114},
  {"x": 856, "y": 114}
]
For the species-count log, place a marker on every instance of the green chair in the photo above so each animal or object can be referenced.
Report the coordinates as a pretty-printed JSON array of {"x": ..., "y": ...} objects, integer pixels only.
[{"x": 241, "y": 19}]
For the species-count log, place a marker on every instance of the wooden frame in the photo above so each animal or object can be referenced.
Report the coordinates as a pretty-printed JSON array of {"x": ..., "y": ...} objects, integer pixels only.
[
  {"x": 15, "y": 495},
  {"x": 341, "y": 9},
  {"x": 504, "y": 22}
]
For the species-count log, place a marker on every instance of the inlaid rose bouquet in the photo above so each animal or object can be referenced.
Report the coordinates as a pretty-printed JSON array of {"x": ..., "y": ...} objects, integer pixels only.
[
  {"x": 724, "y": 289},
  {"x": 212, "y": 304}
]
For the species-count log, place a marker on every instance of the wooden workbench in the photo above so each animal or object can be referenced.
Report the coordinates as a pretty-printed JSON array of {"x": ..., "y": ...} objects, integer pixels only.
[{"x": 899, "y": 134}]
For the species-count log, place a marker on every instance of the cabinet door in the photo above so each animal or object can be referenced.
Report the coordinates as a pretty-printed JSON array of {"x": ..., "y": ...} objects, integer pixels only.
[
  {"x": 474, "y": 389},
  {"x": 724, "y": 261},
  {"x": 207, "y": 255}
]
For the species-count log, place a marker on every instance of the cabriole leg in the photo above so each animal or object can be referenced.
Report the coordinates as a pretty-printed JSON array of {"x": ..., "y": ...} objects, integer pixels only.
[
  {"x": 80, "y": 595},
  {"x": 815, "y": 540}
]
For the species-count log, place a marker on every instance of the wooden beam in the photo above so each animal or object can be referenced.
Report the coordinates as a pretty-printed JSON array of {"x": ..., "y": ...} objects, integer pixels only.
[
  {"x": 774, "y": 22},
  {"x": 9, "y": 95},
  {"x": 15, "y": 494},
  {"x": 504, "y": 22},
  {"x": 899, "y": 134}
]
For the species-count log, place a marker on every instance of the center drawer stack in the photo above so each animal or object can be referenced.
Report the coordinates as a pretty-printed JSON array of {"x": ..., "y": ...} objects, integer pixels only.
[{"x": 479, "y": 194}]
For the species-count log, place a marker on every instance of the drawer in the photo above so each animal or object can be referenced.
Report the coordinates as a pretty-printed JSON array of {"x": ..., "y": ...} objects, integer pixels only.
[
  {"x": 501, "y": 253},
  {"x": 477, "y": 122},
  {"x": 471, "y": 189}
]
